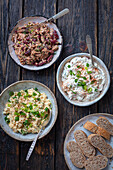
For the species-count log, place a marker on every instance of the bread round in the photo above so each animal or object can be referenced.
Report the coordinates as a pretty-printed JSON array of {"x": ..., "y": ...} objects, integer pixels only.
[
  {"x": 82, "y": 140},
  {"x": 78, "y": 159},
  {"x": 98, "y": 130},
  {"x": 98, "y": 142},
  {"x": 104, "y": 123},
  {"x": 96, "y": 162}
]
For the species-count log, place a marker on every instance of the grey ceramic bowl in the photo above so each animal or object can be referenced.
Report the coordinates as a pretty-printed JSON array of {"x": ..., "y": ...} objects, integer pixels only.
[
  {"x": 59, "y": 79},
  {"x": 25, "y": 84},
  {"x": 79, "y": 126},
  {"x": 26, "y": 20}
]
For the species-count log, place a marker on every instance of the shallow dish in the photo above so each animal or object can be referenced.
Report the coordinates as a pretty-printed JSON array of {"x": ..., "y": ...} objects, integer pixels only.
[
  {"x": 25, "y": 84},
  {"x": 79, "y": 126},
  {"x": 26, "y": 20},
  {"x": 59, "y": 79}
]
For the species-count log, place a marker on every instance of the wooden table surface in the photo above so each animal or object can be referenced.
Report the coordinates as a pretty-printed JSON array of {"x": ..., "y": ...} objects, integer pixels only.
[{"x": 93, "y": 17}]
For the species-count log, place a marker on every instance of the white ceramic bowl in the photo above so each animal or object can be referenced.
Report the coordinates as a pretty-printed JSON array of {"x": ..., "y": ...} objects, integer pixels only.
[
  {"x": 26, "y": 84},
  {"x": 59, "y": 79},
  {"x": 24, "y": 21}
]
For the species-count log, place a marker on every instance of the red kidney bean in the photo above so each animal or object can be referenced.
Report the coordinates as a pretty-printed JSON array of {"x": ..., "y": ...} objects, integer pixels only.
[
  {"x": 34, "y": 39},
  {"x": 25, "y": 42},
  {"x": 55, "y": 34},
  {"x": 22, "y": 48},
  {"x": 53, "y": 41},
  {"x": 28, "y": 52},
  {"x": 42, "y": 63},
  {"x": 36, "y": 64},
  {"x": 49, "y": 58},
  {"x": 51, "y": 51},
  {"x": 27, "y": 38}
]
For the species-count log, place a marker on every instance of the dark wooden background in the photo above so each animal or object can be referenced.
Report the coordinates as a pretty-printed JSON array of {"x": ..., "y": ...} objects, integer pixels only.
[{"x": 93, "y": 17}]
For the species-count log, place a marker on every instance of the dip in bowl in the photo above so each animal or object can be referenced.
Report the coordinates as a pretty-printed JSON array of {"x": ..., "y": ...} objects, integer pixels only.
[{"x": 79, "y": 82}]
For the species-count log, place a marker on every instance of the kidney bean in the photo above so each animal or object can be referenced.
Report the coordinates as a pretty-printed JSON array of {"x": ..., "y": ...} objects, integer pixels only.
[
  {"x": 22, "y": 48},
  {"x": 53, "y": 41},
  {"x": 27, "y": 38},
  {"x": 55, "y": 34},
  {"x": 49, "y": 58},
  {"x": 42, "y": 63},
  {"x": 28, "y": 52},
  {"x": 36, "y": 64},
  {"x": 25, "y": 42}
]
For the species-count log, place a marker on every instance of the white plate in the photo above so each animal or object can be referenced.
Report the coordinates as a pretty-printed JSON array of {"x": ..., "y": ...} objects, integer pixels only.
[
  {"x": 59, "y": 79},
  {"x": 79, "y": 126},
  {"x": 26, "y": 84},
  {"x": 24, "y": 21}
]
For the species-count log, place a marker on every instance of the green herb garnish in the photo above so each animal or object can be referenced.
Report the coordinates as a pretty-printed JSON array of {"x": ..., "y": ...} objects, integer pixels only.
[
  {"x": 46, "y": 109},
  {"x": 84, "y": 78},
  {"x": 93, "y": 81},
  {"x": 22, "y": 113},
  {"x": 87, "y": 65},
  {"x": 96, "y": 90},
  {"x": 11, "y": 93},
  {"x": 34, "y": 94},
  {"x": 42, "y": 114},
  {"x": 76, "y": 80},
  {"x": 73, "y": 92},
  {"x": 89, "y": 90},
  {"x": 17, "y": 118},
  {"x": 19, "y": 94},
  {"x": 89, "y": 72},
  {"x": 69, "y": 66},
  {"x": 7, "y": 120}
]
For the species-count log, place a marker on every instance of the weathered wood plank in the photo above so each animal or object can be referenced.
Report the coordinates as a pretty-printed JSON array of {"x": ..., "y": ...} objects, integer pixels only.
[
  {"x": 11, "y": 11},
  {"x": 75, "y": 26},
  {"x": 43, "y": 155},
  {"x": 105, "y": 48}
]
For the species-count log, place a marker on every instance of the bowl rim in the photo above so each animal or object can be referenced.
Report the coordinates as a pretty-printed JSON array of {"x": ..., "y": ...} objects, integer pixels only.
[
  {"x": 80, "y": 120},
  {"x": 89, "y": 102},
  {"x": 45, "y": 66},
  {"x": 56, "y": 108}
]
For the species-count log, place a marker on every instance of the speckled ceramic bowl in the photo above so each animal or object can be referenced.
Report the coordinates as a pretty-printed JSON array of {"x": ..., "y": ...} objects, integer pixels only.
[
  {"x": 79, "y": 126},
  {"x": 25, "y": 84},
  {"x": 26, "y": 20},
  {"x": 59, "y": 79}
]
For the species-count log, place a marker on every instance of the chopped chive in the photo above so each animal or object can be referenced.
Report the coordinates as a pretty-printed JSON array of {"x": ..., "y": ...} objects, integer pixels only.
[
  {"x": 76, "y": 80},
  {"x": 89, "y": 72},
  {"x": 34, "y": 94},
  {"x": 31, "y": 107},
  {"x": 26, "y": 122},
  {"x": 87, "y": 65},
  {"x": 70, "y": 86},
  {"x": 73, "y": 92},
  {"x": 46, "y": 116},
  {"x": 71, "y": 72},
  {"x": 78, "y": 67},
  {"x": 86, "y": 68},
  {"x": 46, "y": 109},
  {"x": 16, "y": 113},
  {"x": 93, "y": 81},
  {"x": 42, "y": 114},
  {"x": 26, "y": 91},
  {"x": 11, "y": 93},
  {"x": 79, "y": 72},
  {"x": 96, "y": 90},
  {"x": 9, "y": 101},
  {"x": 34, "y": 119},
  {"x": 19, "y": 94},
  {"x": 31, "y": 125},
  {"x": 85, "y": 87},
  {"x": 69, "y": 66},
  {"x": 9, "y": 105},
  {"x": 7, "y": 120},
  {"x": 90, "y": 77},
  {"x": 78, "y": 75},
  {"x": 84, "y": 78},
  {"x": 89, "y": 90},
  {"x": 14, "y": 97},
  {"x": 22, "y": 113},
  {"x": 17, "y": 118},
  {"x": 36, "y": 89},
  {"x": 38, "y": 99}
]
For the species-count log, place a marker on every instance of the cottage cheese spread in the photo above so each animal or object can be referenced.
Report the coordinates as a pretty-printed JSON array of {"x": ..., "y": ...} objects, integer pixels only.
[{"x": 81, "y": 81}]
